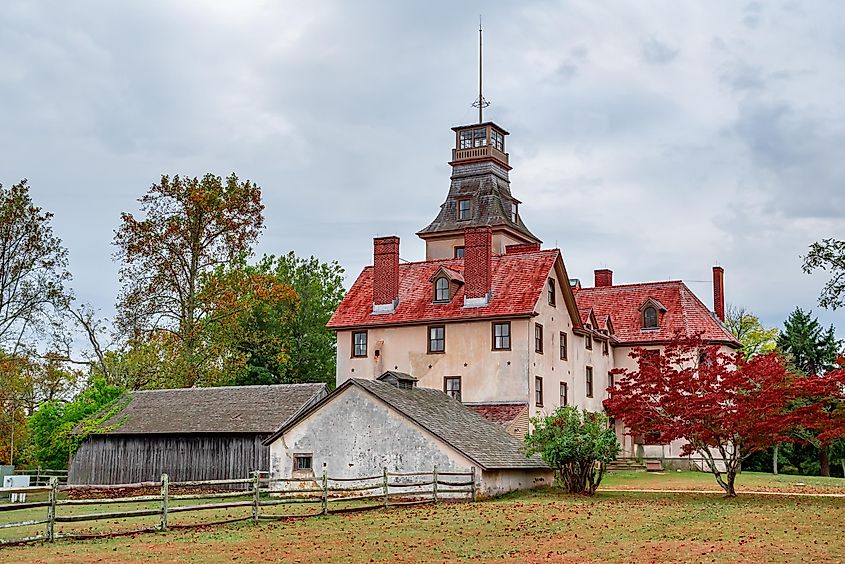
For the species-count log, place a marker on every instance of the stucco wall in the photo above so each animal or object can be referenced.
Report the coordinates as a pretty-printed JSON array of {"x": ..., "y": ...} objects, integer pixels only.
[
  {"x": 486, "y": 375},
  {"x": 357, "y": 435}
]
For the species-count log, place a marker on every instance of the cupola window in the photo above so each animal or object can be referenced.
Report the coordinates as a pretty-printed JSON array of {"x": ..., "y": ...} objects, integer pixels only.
[
  {"x": 475, "y": 138},
  {"x": 441, "y": 289},
  {"x": 464, "y": 209},
  {"x": 650, "y": 318},
  {"x": 497, "y": 140}
]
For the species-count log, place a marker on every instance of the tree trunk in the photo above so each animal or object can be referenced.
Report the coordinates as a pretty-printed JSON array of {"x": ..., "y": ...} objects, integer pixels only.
[
  {"x": 731, "y": 487},
  {"x": 824, "y": 460},
  {"x": 775, "y": 460}
]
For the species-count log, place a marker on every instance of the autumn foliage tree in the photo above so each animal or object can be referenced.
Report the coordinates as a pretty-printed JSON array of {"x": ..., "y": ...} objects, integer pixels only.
[
  {"x": 190, "y": 227},
  {"x": 724, "y": 408}
]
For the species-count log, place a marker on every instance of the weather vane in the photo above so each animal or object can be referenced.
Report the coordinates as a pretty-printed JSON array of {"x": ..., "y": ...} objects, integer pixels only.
[{"x": 480, "y": 102}]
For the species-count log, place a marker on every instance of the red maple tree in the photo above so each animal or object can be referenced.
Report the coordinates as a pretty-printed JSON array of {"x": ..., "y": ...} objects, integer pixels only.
[{"x": 723, "y": 407}]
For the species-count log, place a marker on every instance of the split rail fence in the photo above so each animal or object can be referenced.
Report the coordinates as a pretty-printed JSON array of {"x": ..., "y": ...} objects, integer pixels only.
[{"x": 258, "y": 493}]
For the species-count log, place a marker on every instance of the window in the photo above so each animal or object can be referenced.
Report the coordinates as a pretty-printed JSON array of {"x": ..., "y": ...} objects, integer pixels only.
[
  {"x": 611, "y": 380},
  {"x": 538, "y": 391},
  {"x": 359, "y": 343},
  {"x": 551, "y": 292},
  {"x": 466, "y": 139},
  {"x": 538, "y": 338},
  {"x": 441, "y": 289},
  {"x": 588, "y": 342},
  {"x": 459, "y": 252},
  {"x": 562, "y": 345},
  {"x": 479, "y": 137},
  {"x": 452, "y": 387},
  {"x": 514, "y": 212},
  {"x": 589, "y": 381},
  {"x": 651, "y": 356},
  {"x": 302, "y": 462},
  {"x": 464, "y": 209},
  {"x": 604, "y": 348},
  {"x": 497, "y": 140},
  {"x": 564, "y": 394},
  {"x": 502, "y": 336},
  {"x": 437, "y": 339},
  {"x": 650, "y": 318}
]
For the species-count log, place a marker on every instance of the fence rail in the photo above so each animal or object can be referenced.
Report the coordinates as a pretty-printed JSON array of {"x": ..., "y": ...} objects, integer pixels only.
[
  {"x": 41, "y": 476},
  {"x": 388, "y": 489}
]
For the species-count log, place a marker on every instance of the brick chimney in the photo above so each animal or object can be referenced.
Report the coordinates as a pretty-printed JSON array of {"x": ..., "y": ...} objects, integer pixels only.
[
  {"x": 478, "y": 266},
  {"x": 604, "y": 278},
  {"x": 719, "y": 292},
  {"x": 385, "y": 274}
]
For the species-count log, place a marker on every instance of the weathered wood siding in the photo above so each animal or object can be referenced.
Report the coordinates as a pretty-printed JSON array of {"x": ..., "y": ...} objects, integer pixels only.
[{"x": 122, "y": 459}]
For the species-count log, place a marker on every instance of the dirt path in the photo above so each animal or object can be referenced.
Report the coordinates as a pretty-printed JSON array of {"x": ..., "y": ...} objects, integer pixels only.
[{"x": 721, "y": 492}]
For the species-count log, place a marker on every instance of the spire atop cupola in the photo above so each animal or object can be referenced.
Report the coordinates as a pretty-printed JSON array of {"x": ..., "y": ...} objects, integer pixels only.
[{"x": 480, "y": 193}]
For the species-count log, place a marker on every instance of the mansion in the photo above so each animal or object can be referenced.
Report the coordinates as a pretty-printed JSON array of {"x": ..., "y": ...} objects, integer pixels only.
[{"x": 493, "y": 319}]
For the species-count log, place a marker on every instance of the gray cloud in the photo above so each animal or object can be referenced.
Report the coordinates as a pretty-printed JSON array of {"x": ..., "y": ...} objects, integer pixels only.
[
  {"x": 342, "y": 112},
  {"x": 657, "y": 53}
]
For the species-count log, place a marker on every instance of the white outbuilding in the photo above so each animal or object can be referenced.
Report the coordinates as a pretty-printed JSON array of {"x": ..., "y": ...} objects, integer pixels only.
[{"x": 365, "y": 426}]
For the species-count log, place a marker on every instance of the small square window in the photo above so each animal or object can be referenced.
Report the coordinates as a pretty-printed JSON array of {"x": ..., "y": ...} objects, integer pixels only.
[
  {"x": 452, "y": 387},
  {"x": 359, "y": 344},
  {"x": 538, "y": 391},
  {"x": 563, "y": 345},
  {"x": 589, "y": 381},
  {"x": 564, "y": 394},
  {"x": 437, "y": 339},
  {"x": 302, "y": 462},
  {"x": 459, "y": 252},
  {"x": 538, "y": 338},
  {"x": 464, "y": 209},
  {"x": 502, "y": 336}
]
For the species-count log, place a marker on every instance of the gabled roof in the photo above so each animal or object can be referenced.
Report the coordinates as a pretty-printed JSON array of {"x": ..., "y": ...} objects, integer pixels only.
[
  {"x": 518, "y": 283},
  {"x": 482, "y": 441},
  {"x": 230, "y": 409},
  {"x": 683, "y": 312}
]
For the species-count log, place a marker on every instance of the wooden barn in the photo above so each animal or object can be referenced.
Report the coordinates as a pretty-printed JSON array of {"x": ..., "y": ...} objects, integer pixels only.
[{"x": 189, "y": 434}]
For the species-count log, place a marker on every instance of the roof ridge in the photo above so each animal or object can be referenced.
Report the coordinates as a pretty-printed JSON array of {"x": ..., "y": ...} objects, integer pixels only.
[
  {"x": 249, "y": 386},
  {"x": 633, "y": 284}
]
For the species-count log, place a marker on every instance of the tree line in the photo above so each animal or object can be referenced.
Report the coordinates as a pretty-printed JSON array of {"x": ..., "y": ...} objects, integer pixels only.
[{"x": 196, "y": 307}]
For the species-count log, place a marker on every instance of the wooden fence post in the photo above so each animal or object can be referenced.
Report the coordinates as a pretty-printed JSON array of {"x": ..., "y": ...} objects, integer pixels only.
[
  {"x": 386, "y": 490},
  {"x": 256, "y": 493},
  {"x": 325, "y": 501},
  {"x": 472, "y": 482},
  {"x": 51, "y": 510},
  {"x": 165, "y": 494},
  {"x": 434, "y": 483}
]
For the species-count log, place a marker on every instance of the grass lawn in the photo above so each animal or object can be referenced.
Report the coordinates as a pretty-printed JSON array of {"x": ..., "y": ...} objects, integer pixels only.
[{"x": 533, "y": 526}]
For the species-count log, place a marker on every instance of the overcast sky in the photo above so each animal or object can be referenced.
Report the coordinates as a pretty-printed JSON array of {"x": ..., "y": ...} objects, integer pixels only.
[{"x": 652, "y": 138}]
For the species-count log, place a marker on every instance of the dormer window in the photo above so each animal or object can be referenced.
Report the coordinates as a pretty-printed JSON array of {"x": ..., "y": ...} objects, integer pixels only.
[
  {"x": 514, "y": 212},
  {"x": 464, "y": 209},
  {"x": 650, "y": 311},
  {"x": 441, "y": 289},
  {"x": 650, "y": 318}
]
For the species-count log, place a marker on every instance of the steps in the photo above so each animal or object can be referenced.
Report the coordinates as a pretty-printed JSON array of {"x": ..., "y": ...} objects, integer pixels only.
[{"x": 626, "y": 464}]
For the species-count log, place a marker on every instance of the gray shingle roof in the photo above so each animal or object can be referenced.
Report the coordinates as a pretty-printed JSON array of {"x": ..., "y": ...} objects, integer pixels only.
[
  {"x": 481, "y": 440},
  {"x": 231, "y": 409}
]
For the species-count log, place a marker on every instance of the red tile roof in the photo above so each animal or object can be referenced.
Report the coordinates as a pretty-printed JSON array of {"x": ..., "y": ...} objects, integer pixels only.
[
  {"x": 684, "y": 312},
  {"x": 518, "y": 283},
  {"x": 501, "y": 413}
]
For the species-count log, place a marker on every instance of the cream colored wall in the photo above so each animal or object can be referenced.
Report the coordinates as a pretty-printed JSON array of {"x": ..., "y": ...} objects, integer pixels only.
[
  {"x": 438, "y": 249},
  {"x": 553, "y": 370},
  {"x": 486, "y": 375}
]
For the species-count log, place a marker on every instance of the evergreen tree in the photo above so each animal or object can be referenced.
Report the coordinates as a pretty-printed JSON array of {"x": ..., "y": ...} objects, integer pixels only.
[{"x": 810, "y": 349}]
